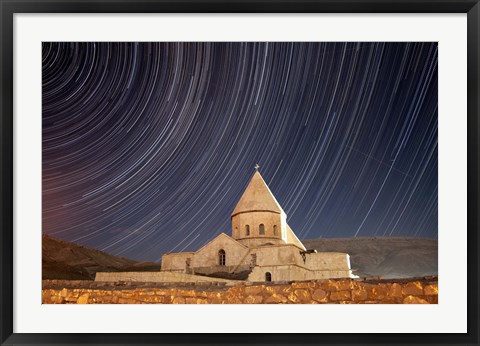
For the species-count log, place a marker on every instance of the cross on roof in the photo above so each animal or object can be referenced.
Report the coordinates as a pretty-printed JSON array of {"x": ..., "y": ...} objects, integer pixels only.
[{"x": 257, "y": 167}]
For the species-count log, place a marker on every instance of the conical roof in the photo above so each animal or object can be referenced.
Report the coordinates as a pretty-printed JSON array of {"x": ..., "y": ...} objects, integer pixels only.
[{"x": 257, "y": 197}]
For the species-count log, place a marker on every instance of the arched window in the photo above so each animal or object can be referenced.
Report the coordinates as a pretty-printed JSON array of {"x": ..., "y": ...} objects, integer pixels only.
[
  {"x": 247, "y": 230},
  {"x": 274, "y": 229},
  {"x": 221, "y": 257},
  {"x": 261, "y": 229},
  {"x": 268, "y": 276}
]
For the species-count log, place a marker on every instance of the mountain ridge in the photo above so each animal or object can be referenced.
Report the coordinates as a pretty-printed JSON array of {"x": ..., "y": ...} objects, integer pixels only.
[{"x": 387, "y": 257}]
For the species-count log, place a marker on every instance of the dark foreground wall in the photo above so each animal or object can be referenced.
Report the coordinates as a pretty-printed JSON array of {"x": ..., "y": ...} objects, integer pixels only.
[{"x": 344, "y": 291}]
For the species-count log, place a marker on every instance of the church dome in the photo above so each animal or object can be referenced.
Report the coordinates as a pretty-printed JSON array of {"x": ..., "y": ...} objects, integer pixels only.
[{"x": 257, "y": 197}]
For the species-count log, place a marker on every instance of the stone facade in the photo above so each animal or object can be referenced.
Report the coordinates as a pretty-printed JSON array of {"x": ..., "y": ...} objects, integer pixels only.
[
  {"x": 341, "y": 291},
  {"x": 208, "y": 255},
  {"x": 263, "y": 247}
]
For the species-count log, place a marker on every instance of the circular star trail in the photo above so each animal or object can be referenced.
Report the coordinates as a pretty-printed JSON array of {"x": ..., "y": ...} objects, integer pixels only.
[{"x": 147, "y": 147}]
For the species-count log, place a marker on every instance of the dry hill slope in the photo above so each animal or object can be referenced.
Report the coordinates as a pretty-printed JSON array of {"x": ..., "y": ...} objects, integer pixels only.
[
  {"x": 388, "y": 257},
  {"x": 69, "y": 261}
]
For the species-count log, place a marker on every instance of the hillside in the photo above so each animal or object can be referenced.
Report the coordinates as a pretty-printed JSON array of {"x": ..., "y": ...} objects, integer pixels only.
[
  {"x": 387, "y": 257},
  {"x": 69, "y": 261}
]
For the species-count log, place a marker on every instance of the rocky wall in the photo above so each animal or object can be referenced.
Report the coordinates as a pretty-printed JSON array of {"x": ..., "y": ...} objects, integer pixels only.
[{"x": 345, "y": 291}]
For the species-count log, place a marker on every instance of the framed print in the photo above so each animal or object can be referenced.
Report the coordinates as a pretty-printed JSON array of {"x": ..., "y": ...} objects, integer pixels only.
[{"x": 289, "y": 172}]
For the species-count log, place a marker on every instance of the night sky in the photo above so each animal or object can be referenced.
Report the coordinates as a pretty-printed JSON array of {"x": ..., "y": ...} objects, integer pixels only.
[{"x": 147, "y": 147}]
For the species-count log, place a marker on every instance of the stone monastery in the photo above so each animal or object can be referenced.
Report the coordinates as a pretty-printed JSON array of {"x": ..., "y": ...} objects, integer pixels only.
[{"x": 262, "y": 247}]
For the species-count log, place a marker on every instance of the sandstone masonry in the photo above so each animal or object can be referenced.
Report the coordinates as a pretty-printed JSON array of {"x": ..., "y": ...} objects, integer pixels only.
[{"x": 341, "y": 291}]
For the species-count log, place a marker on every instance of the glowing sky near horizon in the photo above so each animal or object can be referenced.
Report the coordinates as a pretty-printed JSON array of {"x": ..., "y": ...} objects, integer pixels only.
[{"x": 147, "y": 147}]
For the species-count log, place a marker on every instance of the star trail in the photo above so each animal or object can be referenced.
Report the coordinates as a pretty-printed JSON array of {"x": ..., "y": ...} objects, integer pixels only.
[{"x": 147, "y": 147}]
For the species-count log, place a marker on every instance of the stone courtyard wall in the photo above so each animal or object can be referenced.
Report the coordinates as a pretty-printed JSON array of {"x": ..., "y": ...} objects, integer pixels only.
[
  {"x": 153, "y": 277},
  {"x": 176, "y": 261},
  {"x": 344, "y": 291},
  {"x": 296, "y": 273}
]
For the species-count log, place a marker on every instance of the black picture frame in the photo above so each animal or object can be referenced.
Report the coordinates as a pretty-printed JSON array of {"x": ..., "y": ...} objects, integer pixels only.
[{"x": 9, "y": 8}]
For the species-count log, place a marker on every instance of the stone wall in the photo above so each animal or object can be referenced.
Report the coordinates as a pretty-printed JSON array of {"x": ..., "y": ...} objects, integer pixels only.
[
  {"x": 221, "y": 269},
  {"x": 286, "y": 254},
  {"x": 295, "y": 273},
  {"x": 153, "y": 277},
  {"x": 344, "y": 291},
  {"x": 328, "y": 261},
  {"x": 176, "y": 261}
]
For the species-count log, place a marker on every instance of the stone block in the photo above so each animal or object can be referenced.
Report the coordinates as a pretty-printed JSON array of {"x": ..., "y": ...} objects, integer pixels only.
[
  {"x": 337, "y": 285},
  {"x": 218, "y": 301},
  {"x": 276, "y": 299},
  {"x": 328, "y": 285},
  {"x": 161, "y": 300},
  {"x": 283, "y": 290},
  {"x": 431, "y": 290},
  {"x": 269, "y": 290},
  {"x": 237, "y": 290},
  {"x": 390, "y": 300},
  {"x": 303, "y": 295},
  {"x": 320, "y": 295},
  {"x": 233, "y": 300},
  {"x": 253, "y": 300},
  {"x": 377, "y": 292},
  {"x": 58, "y": 299},
  {"x": 195, "y": 301},
  {"x": 178, "y": 300},
  {"x": 186, "y": 293},
  {"x": 162, "y": 292},
  {"x": 106, "y": 299},
  {"x": 305, "y": 285},
  {"x": 340, "y": 295},
  {"x": 214, "y": 295},
  {"x": 146, "y": 293},
  {"x": 414, "y": 300},
  {"x": 395, "y": 290},
  {"x": 359, "y": 294},
  {"x": 201, "y": 294},
  {"x": 83, "y": 299},
  {"x": 413, "y": 288},
  {"x": 344, "y": 285},
  {"x": 254, "y": 290},
  {"x": 46, "y": 294}
]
